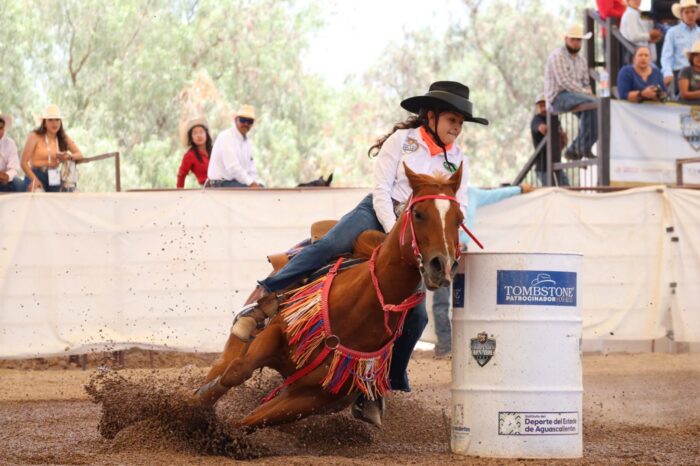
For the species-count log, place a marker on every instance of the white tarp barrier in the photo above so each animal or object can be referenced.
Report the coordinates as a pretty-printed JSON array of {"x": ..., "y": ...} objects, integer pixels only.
[
  {"x": 622, "y": 238},
  {"x": 646, "y": 140},
  {"x": 685, "y": 260},
  {"x": 166, "y": 269},
  {"x": 159, "y": 269}
]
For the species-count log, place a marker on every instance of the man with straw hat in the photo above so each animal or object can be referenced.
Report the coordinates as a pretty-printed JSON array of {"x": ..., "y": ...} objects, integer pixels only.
[
  {"x": 689, "y": 77},
  {"x": 9, "y": 160},
  {"x": 232, "y": 164},
  {"x": 679, "y": 38},
  {"x": 567, "y": 84}
]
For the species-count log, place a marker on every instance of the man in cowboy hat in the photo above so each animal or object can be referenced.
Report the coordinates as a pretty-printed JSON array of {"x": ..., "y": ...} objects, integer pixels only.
[
  {"x": 232, "y": 163},
  {"x": 567, "y": 84},
  {"x": 538, "y": 131},
  {"x": 679, "y": 38},
  {"x": 9, "y": 160}
]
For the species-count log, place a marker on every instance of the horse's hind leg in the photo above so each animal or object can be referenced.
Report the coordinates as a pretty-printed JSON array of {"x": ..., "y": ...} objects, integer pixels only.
[
  {"x": 261, "y": 351},
  {"x": 293, "y": 403}
]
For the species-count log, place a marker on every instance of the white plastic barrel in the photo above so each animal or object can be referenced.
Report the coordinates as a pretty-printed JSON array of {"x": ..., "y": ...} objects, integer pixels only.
[{"x": 516, "y": 356}]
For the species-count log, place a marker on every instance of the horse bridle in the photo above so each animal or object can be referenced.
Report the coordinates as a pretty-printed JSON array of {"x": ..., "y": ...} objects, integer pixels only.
[{"x": 408, "y": 220}]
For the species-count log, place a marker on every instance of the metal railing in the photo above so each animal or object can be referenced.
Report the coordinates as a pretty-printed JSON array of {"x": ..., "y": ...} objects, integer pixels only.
[
  {"x": 117, "y": 166},
  {"x": 586, "y": 172}
]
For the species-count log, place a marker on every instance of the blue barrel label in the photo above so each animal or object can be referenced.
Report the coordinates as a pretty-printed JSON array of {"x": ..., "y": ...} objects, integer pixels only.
[
  {"x": 458, "y": 290},
  {"x": 536, "y": 288}
]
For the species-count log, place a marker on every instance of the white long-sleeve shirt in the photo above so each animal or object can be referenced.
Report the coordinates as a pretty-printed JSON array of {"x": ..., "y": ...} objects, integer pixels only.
[
  {"x": 390, "y": 181},
  {"x": 634, "y": 29},
  {"x": 232, "y": 158},
  {"x": 9, "y": 161}
]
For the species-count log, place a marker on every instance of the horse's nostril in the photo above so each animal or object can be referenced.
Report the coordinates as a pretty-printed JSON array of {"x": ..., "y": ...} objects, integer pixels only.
[{"x": 436, "y": 265}]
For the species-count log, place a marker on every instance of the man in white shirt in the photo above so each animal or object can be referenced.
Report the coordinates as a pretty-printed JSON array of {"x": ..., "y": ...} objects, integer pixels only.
[
  {"x": 9, "y": 161},
  {"x": 231, "y": 164}
]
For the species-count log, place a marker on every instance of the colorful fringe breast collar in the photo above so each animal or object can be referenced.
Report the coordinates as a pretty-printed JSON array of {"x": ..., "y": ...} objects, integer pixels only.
[{"x": 309, "y": 329}]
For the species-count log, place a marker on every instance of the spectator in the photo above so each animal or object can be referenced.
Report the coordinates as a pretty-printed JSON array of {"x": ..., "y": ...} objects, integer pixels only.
[
  {"x": 567, "y": 85},
  {"x": 613, "y": 9},
  {"x": 663, "y": 20},
  {"x": 232, "y": 163},
  {"x": 441, "y": 297},
  {"x": 9, "y": 161},
  {"x": 635, "y": 30},
  {"x": 689, "y": 77},
  {"x": 679, "y": 38},
  {"x": 538, "y": 130},
  {"x": 194, "y": 134},
  {"x": 46, "y": 147},
  {"x": 641, "y": 80}
]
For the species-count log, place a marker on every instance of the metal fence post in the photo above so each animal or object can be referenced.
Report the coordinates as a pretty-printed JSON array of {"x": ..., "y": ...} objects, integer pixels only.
[{"x": 604, "y": 142}]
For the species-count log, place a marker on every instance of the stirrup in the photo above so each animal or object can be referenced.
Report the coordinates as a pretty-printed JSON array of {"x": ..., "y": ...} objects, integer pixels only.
[
  {"x": 244, "y": 323},
  {"x": 371, "y": 411}
]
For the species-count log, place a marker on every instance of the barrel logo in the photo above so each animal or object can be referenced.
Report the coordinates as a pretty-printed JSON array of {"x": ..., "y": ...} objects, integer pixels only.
[
  {"x": 536, "y": 288},
  {"x": 483, "y": 348}
]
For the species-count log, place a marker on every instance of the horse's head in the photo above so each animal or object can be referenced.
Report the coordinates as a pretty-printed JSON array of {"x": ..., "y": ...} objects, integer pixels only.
[
  {"x": 433, "y": 218},
  {"x": 319, "y": 182}
]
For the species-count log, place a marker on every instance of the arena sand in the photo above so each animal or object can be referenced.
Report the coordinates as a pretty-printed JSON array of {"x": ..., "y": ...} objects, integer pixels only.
[{"x": 638, "y": 409}]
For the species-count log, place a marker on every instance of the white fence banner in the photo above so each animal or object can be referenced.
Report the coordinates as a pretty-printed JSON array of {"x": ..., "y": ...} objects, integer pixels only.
[{"x": 646, "y": 140}]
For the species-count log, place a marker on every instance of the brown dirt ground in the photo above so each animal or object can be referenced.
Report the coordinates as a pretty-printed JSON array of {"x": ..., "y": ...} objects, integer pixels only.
[{"x": 638, "y": 409}]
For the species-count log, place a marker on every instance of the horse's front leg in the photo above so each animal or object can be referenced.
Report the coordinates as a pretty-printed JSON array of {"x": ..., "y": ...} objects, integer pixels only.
[
  {"x": 262, "y": 351},
  {"x": 293, "y": 403}
]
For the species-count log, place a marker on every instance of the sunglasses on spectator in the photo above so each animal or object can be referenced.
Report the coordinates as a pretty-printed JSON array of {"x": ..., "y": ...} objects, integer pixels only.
[{"x": 246, "y": 121}]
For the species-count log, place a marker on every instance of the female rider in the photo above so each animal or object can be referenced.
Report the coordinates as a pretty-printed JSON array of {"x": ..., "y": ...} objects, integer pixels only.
[{"x": 426, "y": 144}]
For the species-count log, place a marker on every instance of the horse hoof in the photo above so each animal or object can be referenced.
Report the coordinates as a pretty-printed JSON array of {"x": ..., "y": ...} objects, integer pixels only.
[{"x": 371, "y": 411}]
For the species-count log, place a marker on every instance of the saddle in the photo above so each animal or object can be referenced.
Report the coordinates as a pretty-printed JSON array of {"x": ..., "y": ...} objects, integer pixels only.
[{"x": 362, "y": 247}]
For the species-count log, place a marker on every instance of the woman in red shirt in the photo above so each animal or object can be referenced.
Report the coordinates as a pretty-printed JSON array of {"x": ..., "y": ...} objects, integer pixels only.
[{"x": 195, "y": 135}]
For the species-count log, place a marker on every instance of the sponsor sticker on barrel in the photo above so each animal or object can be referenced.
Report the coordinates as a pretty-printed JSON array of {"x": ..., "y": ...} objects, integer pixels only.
[
  {"x": 536, "y": 288},
  {"x": 538, "y": 423}
]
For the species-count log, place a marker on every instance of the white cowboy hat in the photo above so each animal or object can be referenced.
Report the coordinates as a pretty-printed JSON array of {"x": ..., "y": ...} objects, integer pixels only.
[
  {"x": 676, "y": 8},
  {"x": 246, "y": 111},
  {"x": 540, "y": 98},
  {"x": 7, "y": 119},
  {"x": 575, "y": 31},
  {"x": 186, "y": 126},
  {"x": 52, "y": 112},
  {"x": 694, "y": 49}
]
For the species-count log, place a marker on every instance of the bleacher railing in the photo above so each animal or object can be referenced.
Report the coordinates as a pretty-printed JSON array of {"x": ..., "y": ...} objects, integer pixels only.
[{"x": 117, "y": 166}]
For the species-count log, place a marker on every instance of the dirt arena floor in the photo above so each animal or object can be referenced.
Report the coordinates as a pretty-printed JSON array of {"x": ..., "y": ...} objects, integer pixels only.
[{"x": 638, "y": 409}]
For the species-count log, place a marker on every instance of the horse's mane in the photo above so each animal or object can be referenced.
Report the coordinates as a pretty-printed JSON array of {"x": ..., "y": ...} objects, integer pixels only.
[{"x": 437, "y": 179}]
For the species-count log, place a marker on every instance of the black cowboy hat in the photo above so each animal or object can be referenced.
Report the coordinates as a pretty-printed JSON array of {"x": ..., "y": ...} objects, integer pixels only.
[{"x": 445, "y": 95}]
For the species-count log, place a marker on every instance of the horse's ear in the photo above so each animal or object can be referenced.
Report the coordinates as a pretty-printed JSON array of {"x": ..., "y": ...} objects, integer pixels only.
[
  {"x": 330, "y": 178},
  {"x": 456, "y": 178},
  {"x": 413, "y": 178}
]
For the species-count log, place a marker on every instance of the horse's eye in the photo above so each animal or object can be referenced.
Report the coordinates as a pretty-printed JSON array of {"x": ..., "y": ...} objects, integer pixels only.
[{"x": 417, "y": 215}]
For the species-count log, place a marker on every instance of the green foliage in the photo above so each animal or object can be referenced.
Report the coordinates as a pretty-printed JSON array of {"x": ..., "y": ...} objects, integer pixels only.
[{"x": 127, "y": 73}]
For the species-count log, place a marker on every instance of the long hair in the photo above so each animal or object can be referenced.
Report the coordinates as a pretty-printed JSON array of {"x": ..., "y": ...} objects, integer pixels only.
[
  {"x": 61, "y": 135},
  {"x": 414, "y": 121},
  {"x": 208, "y": 144}
]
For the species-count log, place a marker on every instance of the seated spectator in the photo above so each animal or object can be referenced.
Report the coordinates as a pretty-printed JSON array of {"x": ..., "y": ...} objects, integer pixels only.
[
  {"x": 194, "y": 134},
  {"x": 689, "y": 77},
  {"x": 9, "y": 161},
  {"x": 641, "y": 80},
  {"x": 46, "y": 147},
  {"x": 232, "y": 164},
  {"x": 567, "y": 85},
  {"x": 678, "y": 39},
  {"x": 538, "y": 130},
  {"x": 635, "y": 30},
  {"x": 663, "y": 19}
]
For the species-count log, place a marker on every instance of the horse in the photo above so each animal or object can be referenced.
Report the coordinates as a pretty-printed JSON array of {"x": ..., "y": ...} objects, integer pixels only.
[{"x": 359, "y": 322}]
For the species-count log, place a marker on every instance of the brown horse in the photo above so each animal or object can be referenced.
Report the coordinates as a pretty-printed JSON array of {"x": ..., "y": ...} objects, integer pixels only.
[{"x": 427, "y": 245}]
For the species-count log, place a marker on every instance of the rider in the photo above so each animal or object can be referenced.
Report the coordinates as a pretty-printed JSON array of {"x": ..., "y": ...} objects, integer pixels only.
[{"x": 426, "y": 144}]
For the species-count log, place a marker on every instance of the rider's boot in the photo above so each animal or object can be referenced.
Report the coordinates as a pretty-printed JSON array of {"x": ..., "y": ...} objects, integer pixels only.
[
  {"x": 254, "y": 314},
  {"x": 371, "y": 411}
]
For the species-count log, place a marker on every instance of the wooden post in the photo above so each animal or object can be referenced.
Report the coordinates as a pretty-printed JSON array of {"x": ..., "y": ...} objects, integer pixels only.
[{"x": 117, "y": 173}]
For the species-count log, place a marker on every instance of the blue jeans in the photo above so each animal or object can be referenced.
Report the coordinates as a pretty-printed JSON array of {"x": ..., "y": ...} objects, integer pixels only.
[
  {"x": 14, "y": 186},
  {"x": 560, "y": 178},
  {"x": 43, "y": 176},
  {"x": 588, "y": 120},
  {"x": 226, "y": 184},
  {"x": 441, "y": 314},
  {"x": 339, "y": 240},
  {"x": 416, "y": 320}
]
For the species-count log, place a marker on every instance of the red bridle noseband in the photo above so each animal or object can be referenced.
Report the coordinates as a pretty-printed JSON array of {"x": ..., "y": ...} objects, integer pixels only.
[{"x": 408, "y": 220}]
